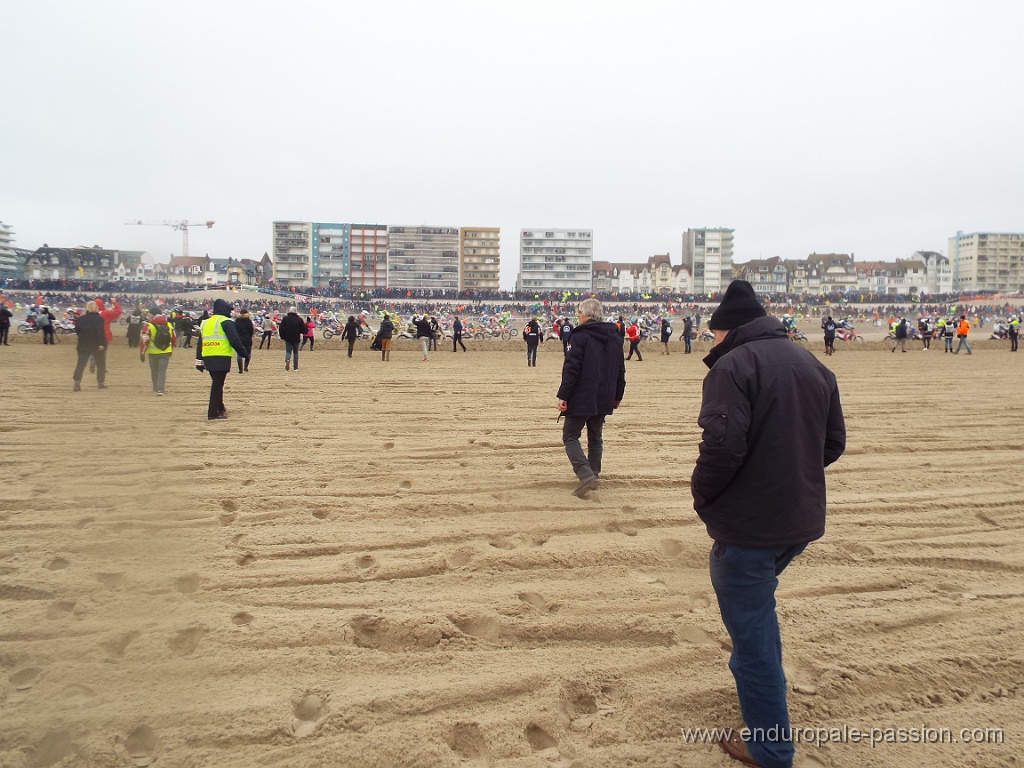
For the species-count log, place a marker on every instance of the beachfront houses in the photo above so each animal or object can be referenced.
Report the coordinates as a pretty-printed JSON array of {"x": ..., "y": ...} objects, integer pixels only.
[
  {"x": 556, "y": 260},
  {"x": 655, "y": 276},
  {"x": 100, "y": 264}
]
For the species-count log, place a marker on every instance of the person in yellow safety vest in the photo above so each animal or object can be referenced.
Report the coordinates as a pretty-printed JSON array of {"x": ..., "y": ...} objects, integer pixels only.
[
  {"x": 218, "y": 341},
  {"x": 156, "y": 342},
  {"x": 1013, "y": 330}
]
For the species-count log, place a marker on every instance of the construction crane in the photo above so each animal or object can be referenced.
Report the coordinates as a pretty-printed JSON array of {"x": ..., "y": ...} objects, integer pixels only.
[{"x": 180, "y": 225}]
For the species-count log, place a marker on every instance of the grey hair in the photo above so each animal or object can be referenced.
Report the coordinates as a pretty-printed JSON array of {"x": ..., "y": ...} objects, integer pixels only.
[{"x": 591, "y": 308}]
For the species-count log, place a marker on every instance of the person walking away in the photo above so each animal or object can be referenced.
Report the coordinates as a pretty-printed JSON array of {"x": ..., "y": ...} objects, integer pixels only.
[
  {"x": 435, "y": 331},
  {"x": 946, "y": 329},
  {"x": 351, "y": 333},
  {"x": 246, "y": 330},
  {"x": 1013, "y": 331},
  {"x": 188, "y": 329},
  {"x": 772, "y": 421},
  {"x": 385, "y": 334},
  {"x": 828, "y": 325},
  {"x": 156, "y": 344},
  {"x": 309, "y": 334},
  {"x": 44, "y": 321},
  {"x": 267, "y": 328},
  {"x": 633, "y": 335},
  {"x": 135, "y": 322},
  {"x": 593, "y": 384},
  {"x": 565, "y": 333},
  {"x": 924, "y": 327},
  {"x": 962, "y": 329},
  {"x": 5, "y": 324},
  {"x": 457, "y": 335},
  {"x": 666, "y": 334},
  {"x": 423, "y": 333},
  {"x": 92, "y": 344},
  {"x": 291, "y": 329},
  {"x": 687, "y": 333},
  {"x": 900, "y": 335},
  {"x": 533, "y": 336},
  {"x": 217, "y": 338}
]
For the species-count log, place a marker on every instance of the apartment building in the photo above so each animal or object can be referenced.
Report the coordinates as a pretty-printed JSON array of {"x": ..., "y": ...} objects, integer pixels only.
[
  {"x": 707, "y": 256},
  {"x": 311, "y": 253},
  {"x": 479, "y": 258},
  {"x": 368, "y": 256},
  {"x": 8, "y": 261},
  {"x": 423, "y": 257},
  {"x": 987, "y": 261},
  {"x": 556, "y": 260}
]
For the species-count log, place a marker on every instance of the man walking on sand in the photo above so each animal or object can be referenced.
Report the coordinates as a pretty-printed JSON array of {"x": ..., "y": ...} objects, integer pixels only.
[
  {"x": 772, "y": 422},
  {"x": 593, "y": 383}
]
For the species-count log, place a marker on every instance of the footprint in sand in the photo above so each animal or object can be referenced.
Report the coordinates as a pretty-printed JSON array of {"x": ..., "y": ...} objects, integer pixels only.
[
  {"x": 229, "y": 505},
  {"x": 77, "y": 694},
  {"x": 250, "y": 481},
  {"x": 365, "y": 562},
  {"x": 26, "y": 678},
  {"x": 118, "y": 645},
  {"x": 51, "y": 749},
  {"x": 242, "y": 619},
  {"x": 320, "y": 514},
  {"x": 227, "y": 518},
  {"x": 481, "y": 627},
  {"x": 142, "y": 745},
  {"x": 801, "y": 680},
  {"x": 57, "y": 564},
  {"x": 187, "y": 584},
  {"x": 467, "y": 741},
  {"x": 60, "y": 610},
  {"x": 670, "y": 547},
  {"x": 695, "y": 635},
  {"x": 246, "y": 558},
  {"x": 187, "y": 640},
  {"x": 459, "y": 559},
  {"x": 305, "y": 715},
  {"x": 406, "y": 484},
  {"x": 538, "y": 602},
  {"x": 539, "y": 739},
  {"x": 111, "y": 580},
  {"x": 388, "y": 446}
]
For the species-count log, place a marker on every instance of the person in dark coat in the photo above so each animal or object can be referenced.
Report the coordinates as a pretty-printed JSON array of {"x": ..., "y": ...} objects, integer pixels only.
[
  {"x": 533, "y": 336},
  {"x": 385, "y": 334},
  {"x": 246, "y": 330},
  {"x": 218, "y": 336},
  {"x": 423, "y": 333},
  {"x": 291, "y": 330},
  {"x": 5, "y": 324},
  {"x": 687, "y": 334},
  {"x": 135, "y": 322},
  {"x": 771, "y": 421},
  {"x": 351, "y": 333},
  {"x": 593, "y": 383},
  {"x": 457, "y": 336},
  {"x": 564, "y": 333},
  {"x": 666, "y": 333},
  {"x": 92, "y": 343}
]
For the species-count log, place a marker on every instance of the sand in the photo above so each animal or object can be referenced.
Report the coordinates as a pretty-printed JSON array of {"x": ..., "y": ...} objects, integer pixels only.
[{"x": 378, "y": 564}]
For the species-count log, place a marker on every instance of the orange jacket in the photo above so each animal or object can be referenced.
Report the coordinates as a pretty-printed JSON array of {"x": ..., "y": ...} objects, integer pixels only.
[{"x": 962, "y": 328}]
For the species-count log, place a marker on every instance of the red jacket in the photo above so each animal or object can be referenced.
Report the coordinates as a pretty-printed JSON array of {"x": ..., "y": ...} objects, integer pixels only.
[
  {"x": 108, "y": 315},
  {"x": 633, "y": 332}
]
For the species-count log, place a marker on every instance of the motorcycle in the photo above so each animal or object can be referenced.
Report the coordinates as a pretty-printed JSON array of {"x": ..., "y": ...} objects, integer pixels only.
[{"x": 848, "y": 334}]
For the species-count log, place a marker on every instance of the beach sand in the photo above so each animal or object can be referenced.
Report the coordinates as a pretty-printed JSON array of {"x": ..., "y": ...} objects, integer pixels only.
[{"x": 375, "y": 564}]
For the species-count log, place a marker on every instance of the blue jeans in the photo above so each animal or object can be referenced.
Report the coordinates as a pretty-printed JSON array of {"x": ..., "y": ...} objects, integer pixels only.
[
  {"x": 963, "y": 343},
  {"x": 291, "y": 350},
  {"x": 745, "y": 579}
]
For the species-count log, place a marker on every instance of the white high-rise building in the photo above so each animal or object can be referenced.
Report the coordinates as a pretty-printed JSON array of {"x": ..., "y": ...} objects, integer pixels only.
[
  {"x": 707, "y": 254},
  {"x": 423, "y": 258},
  {"x": 8, "y": 259},
  {"x": 556, "y": 260},
  {"x": 987, "y": 261}
]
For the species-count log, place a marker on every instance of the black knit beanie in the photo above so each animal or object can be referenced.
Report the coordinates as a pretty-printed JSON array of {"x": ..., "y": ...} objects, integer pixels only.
[{"x": 739, "y": 306}]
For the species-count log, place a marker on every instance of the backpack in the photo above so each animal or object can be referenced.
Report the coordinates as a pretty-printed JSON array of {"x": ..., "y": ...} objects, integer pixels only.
[{"x": 162, "y": 337}]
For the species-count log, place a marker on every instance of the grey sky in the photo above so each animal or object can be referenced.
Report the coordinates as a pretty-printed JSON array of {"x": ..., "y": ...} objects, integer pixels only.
[{"x": 873, "y": 127}]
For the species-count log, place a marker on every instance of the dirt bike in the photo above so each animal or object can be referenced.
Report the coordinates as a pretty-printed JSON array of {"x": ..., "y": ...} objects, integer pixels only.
[
  {"x": 796, "y": 335},
  {"x": 706, "y": 335},
  {"x": 912, "y": 335},
  {"x": 848, "y": 334}
]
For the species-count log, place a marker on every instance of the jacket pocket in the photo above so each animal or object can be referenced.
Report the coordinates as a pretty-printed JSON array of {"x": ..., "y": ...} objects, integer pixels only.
[{"x": 714, "y": 421}]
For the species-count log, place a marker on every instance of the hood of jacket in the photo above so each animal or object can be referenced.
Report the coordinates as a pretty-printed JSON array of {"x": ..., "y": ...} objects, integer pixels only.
[
  {"x": 99, "y": 304},
  {"x": 158, "y": 320},
  {"x": 768, "y": 327},
  {"x": 606, "y": 332},
  {"x": 221, "y": 307}
]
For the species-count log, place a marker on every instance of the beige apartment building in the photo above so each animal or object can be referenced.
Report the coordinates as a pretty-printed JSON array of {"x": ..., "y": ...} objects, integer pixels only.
[
  {"x": 707, "y": 256},
  {"x": 987, "y": 261},
  {"x": 479, "y": 258}
]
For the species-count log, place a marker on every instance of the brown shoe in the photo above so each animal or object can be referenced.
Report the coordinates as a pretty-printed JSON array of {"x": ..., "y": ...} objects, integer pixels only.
[{"x": 735, "y": 747}]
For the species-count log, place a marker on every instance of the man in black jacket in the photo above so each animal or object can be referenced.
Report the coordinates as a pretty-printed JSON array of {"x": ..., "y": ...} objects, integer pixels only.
[
  {"x": 291, "y": 330},
  {"x": 772, "y": 422},
  {"x": 218, "y": 342},
  {"x": 593, "y": 383}
]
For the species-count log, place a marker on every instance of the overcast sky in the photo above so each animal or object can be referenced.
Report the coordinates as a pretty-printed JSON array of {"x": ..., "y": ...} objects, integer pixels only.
[{"x": 877, "y": 128}]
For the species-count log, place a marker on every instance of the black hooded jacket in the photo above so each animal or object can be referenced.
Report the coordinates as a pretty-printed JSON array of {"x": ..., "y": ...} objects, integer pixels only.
[
  {"x": 772, "y": 422},
  {"x": 594, "y": 371},
  {"x": 222, "y": 362}
]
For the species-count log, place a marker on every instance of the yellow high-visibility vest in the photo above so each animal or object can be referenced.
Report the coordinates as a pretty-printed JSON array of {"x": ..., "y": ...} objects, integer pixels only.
[
  {"x": 151, "y": 348},
  {"x": 215, "y": 341}
]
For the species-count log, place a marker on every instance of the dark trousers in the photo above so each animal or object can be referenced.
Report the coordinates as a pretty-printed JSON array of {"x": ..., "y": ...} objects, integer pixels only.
[
  {"x": 267, "y": 336},
  {"x": 243, "y": 360},
  {"x": 686, "y": 340},
  {"x": 351, "y": 346},
  {"x": 634, "y": 346},
  {"x": 304, "y": 340},
  {"x": 457, "y": 342},
  {"x": 4, "y": 330},
  {"x": 216, "y": 407},
  {"x": 745, "y": 579},
  {"x": 531, "y": 353},
  {"x": 583, "y": 464},
  {"x": 1013, "y": 341},
  {"x": 83, "y": 360},
  {"x": 48, "y": 334}
]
